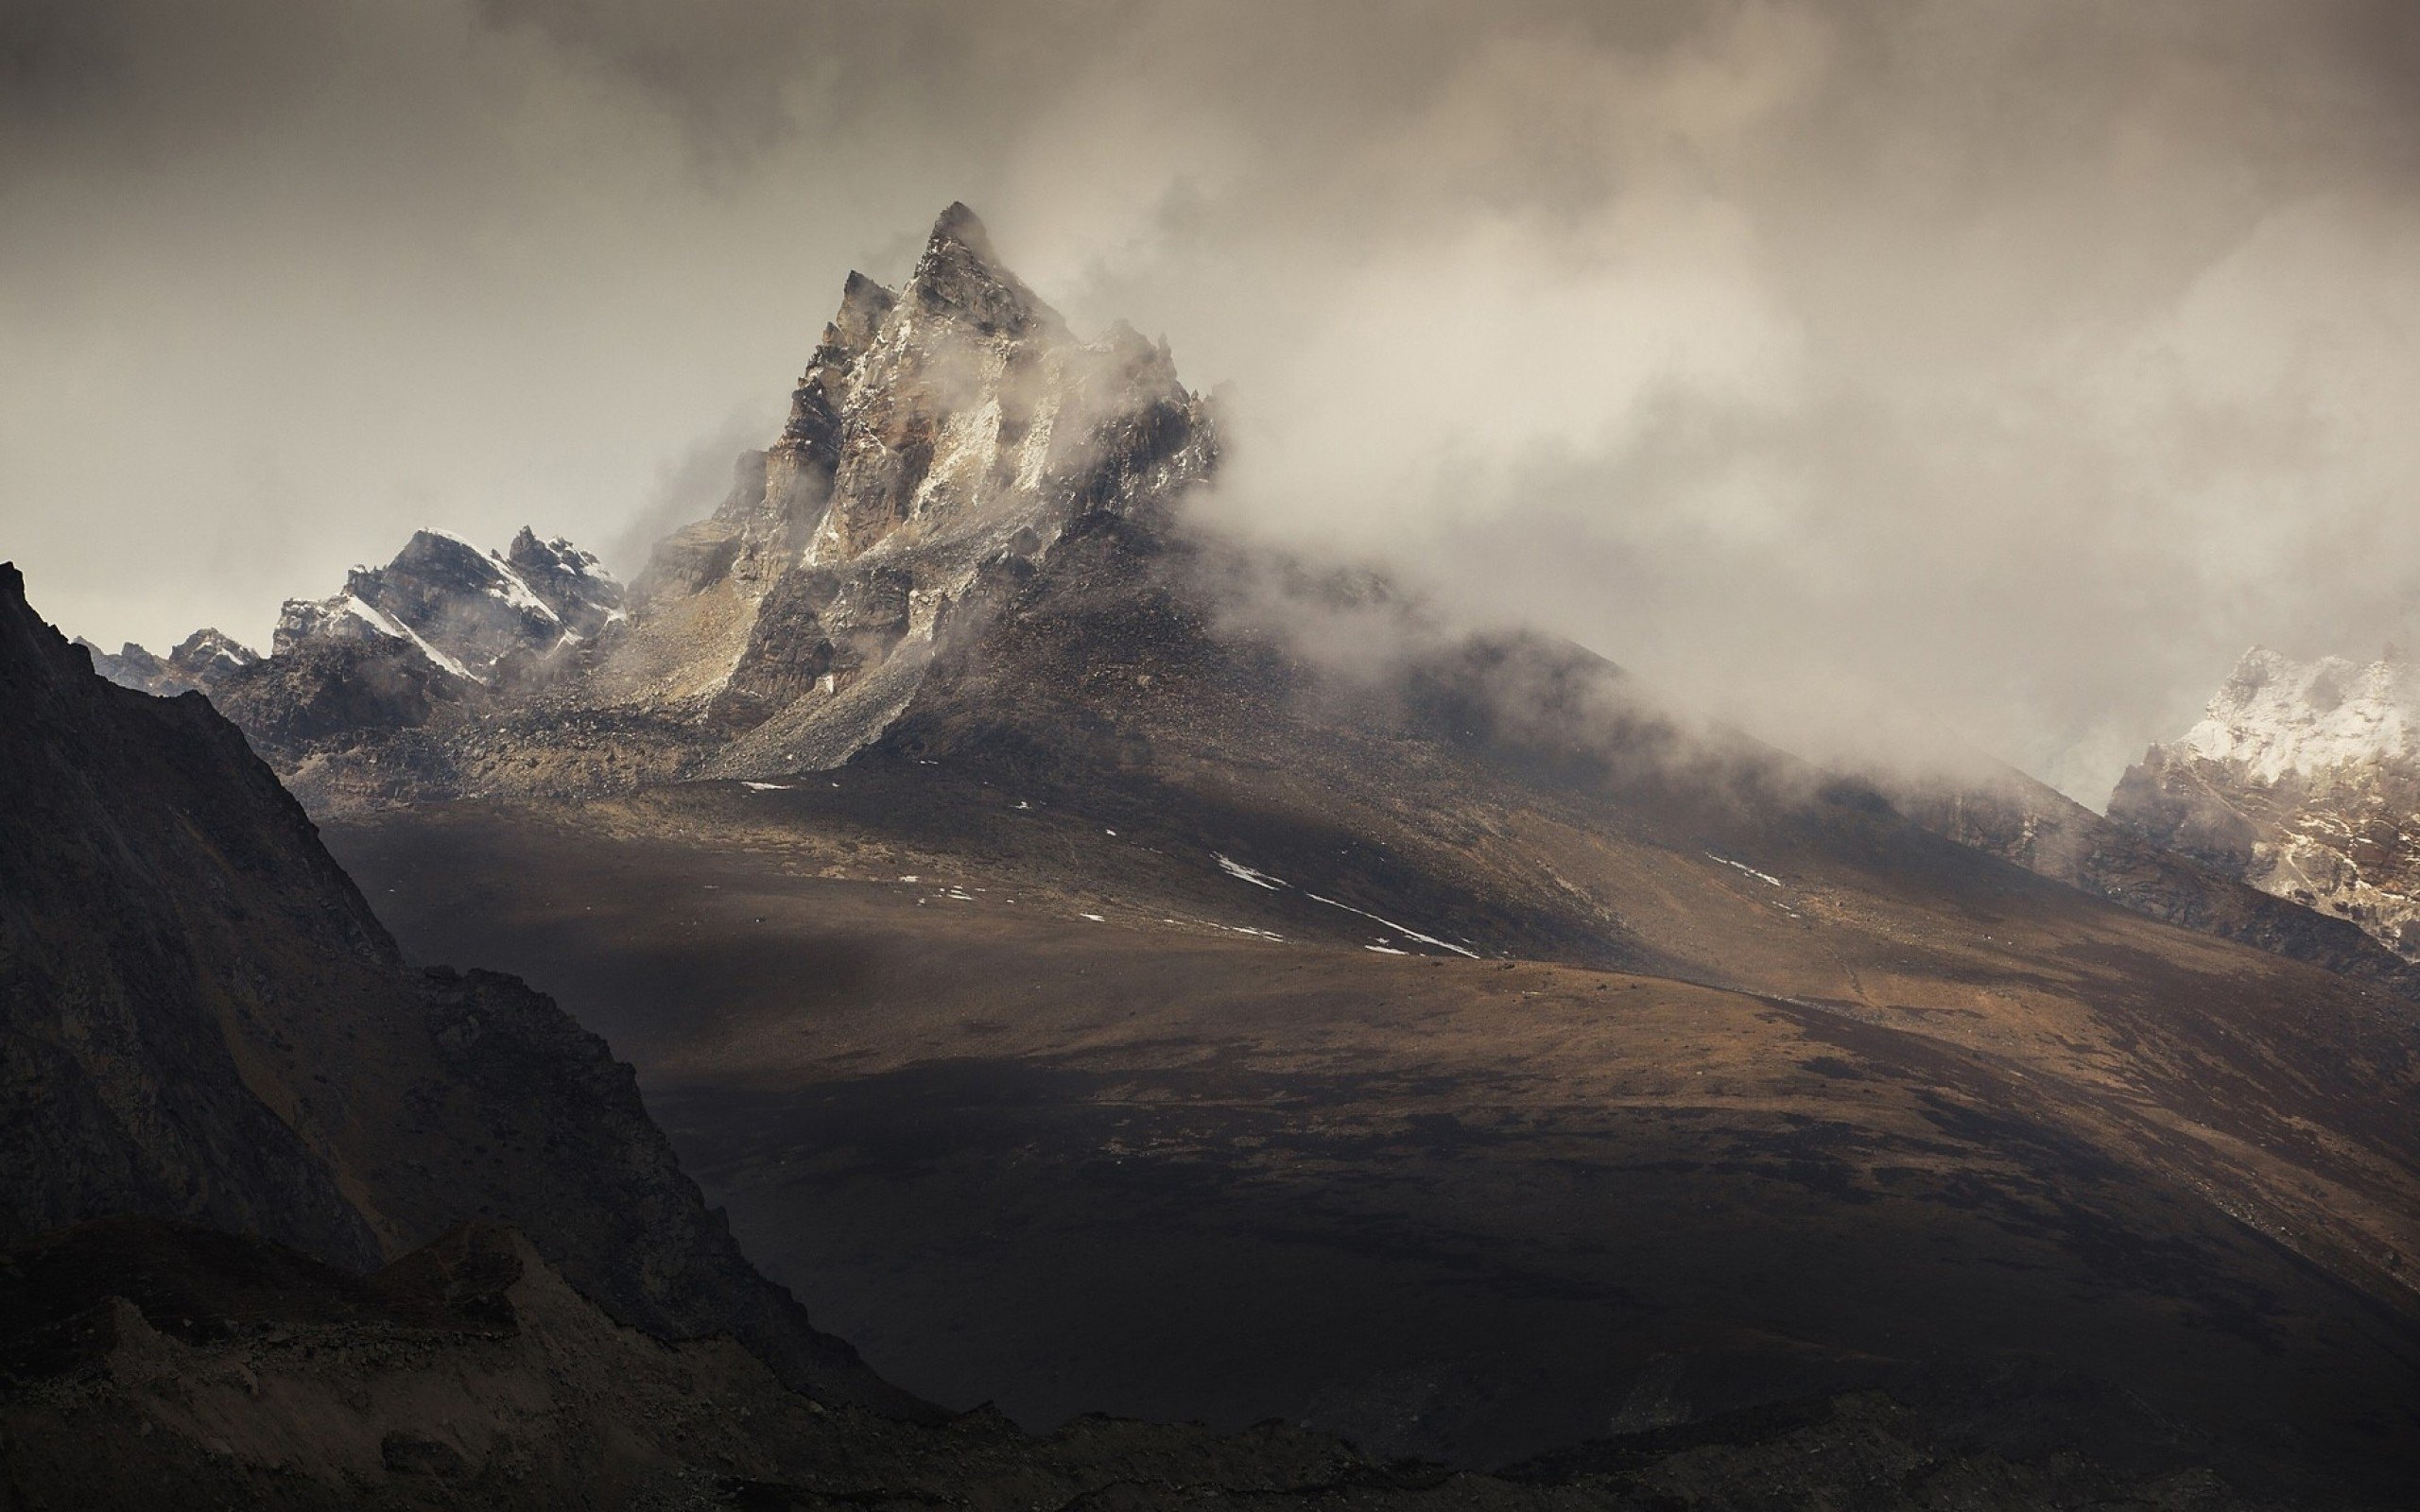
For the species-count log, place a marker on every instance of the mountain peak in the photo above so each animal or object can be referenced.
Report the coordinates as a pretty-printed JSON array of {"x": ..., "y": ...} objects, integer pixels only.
[
  {"x": 959, "y": 275},
  {"x": 863, "y": 305},
  {"x": 27, "y": 639},
  {"x": 464, "y": 610},
  {"x": 2275, "y": 716},
  {"x": 963, "y": 226},
  {"x": 2292, "y": 782},
  {"x": 209, "y": 654}
]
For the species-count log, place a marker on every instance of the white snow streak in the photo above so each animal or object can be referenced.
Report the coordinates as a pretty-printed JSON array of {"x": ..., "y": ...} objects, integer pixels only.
[
  {"x": 1407, "y": 934},
  {"x": 1764, "y": 877},
  {"x": 517, "y": 592},
  {"x": 395, "y": 629},
  {"x": 1242, "y": 873}
]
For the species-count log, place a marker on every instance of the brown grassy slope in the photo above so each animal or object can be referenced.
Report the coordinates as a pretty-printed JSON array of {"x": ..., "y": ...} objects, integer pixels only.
[{"x": 1456, "y": 1207}]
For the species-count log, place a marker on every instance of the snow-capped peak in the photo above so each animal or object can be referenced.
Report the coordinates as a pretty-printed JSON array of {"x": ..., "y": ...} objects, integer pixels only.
[
  {"x": 212, "y": 650},
  {"x": 2276, "y": 716},
  {"x": 465, "y": 608}
]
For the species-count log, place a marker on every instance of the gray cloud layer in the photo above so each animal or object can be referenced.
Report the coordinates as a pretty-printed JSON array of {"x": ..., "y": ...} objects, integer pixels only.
[{"x": 2012, "y": 363}]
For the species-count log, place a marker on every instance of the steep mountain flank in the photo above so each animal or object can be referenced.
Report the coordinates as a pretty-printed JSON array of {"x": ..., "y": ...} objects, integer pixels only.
[{"x": 204, "y": 1020}]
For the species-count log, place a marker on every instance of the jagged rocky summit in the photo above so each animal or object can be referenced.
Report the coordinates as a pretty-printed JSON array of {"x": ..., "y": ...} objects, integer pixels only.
[
  {"x": 203, "y": 661},
  {"x": 477, "y": 616},
  {"x": 2302, "y": 777},
  {"x": 442, "y": 624},
  {"x": 960, "y": 529},
  {"x": 943, "y": 439}
]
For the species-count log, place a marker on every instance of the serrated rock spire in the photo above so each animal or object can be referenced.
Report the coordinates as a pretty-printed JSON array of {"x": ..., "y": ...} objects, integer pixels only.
[{"x": 959, "y": 277}]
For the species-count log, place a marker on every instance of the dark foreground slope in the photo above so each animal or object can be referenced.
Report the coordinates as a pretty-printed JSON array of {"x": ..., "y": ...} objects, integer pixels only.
[
  {"x": 153, "y": 1365},
  {"x": 1465, "y": 1058},
  {"x": 203, "y": 1021}
]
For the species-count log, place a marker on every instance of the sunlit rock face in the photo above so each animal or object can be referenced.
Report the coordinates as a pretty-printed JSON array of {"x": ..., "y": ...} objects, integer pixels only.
[
  {"x": 2304, "y": 778},
  {"x": 940, "y": 441}
]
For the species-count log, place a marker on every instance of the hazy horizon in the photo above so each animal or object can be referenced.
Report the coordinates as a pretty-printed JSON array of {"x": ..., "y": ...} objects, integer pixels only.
[{"x": 2003, "y": 368}]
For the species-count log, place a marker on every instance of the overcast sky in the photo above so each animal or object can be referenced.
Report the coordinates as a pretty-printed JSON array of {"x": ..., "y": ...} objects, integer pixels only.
[{"x": 2011, "y": 366}]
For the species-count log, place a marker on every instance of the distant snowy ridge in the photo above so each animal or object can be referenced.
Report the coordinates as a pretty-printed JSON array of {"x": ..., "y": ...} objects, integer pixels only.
[
  {"x": 468, "y": 612},
  {"x": 2303, "y": 778},
  {"x": 2275, "y": 715}
]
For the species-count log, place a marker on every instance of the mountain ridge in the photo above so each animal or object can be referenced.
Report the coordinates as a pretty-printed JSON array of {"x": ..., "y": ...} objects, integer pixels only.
[{"x": 941, "y": 442}]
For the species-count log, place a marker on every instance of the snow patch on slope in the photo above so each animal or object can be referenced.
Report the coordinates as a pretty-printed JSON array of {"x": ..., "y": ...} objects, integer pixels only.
[
  {"x": 1242, "y": 873},
  {"x": 395, "y": 629},
  {"x": 1766, "y": 877},
  {"x": 1407, "y": 934}
]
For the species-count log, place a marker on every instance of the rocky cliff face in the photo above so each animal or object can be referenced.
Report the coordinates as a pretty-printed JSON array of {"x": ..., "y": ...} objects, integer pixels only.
[
  {"x": 426, "y": 643},
  {"x": 442, "y": 630},
  {"x": 200, "y": 1019},
  {"x": 442, "y": 618},
  {"x": 2302, "y": 778}
]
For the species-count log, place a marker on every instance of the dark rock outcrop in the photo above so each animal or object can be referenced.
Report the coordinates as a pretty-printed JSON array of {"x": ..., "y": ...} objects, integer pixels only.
[{"x": 203, "y": 1020}]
